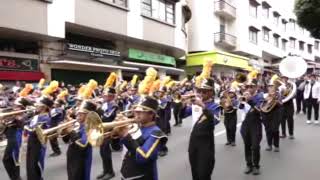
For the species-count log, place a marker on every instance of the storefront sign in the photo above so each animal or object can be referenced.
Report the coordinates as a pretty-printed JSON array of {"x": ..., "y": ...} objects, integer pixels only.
[
  {"x": 19, "y": 64},
  {"x": 151, "y": 57},
  {"x": 93, "y": 51}
]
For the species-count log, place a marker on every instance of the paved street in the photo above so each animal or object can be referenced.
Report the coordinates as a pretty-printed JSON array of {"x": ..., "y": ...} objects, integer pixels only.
[{"x": 299, "y": 159}]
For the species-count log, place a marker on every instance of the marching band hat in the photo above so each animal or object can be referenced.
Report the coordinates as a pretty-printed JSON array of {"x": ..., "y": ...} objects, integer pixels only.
[
  {"x": 44, "y": 101},
  {"x": 147, "y": 104},
  {"x": 59, "y": 102},
  {"x": 21, "y": 101},
  {"x": 207, "y": 84},
  {"x": 109, "y": 91},
  {"x": 87, "y": 106}
]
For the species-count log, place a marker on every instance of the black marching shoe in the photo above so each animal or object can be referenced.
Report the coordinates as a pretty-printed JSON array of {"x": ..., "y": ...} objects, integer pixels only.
[
  {"x": 269, "y": 148},
  {"x": 233, "y": 144},
  {"x": 228, "y": 143},
  {"x": 108, "y": 176},
  {"x": 276, "y": 149},
  {"x": 255, "y": 171},
  {"x": 101, "y": 175},
  {"x": 248, "y": 170},
  {"x": 55, "y": 154}
]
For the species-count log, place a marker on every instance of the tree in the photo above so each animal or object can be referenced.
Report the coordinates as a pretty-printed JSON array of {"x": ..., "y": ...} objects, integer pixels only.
[{"x": 308, "y": 15}]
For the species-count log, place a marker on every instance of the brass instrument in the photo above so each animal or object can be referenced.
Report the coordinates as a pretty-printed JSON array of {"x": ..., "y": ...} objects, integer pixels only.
[
  {"x": 46, "y": 134},
  {"x": 5, "y": 120},
  {"x": 6, "y": 114},
  {"x": 270, "y": 103},
  {"x": 289, "y": 91},
  {"x": 98, "y": 131}
]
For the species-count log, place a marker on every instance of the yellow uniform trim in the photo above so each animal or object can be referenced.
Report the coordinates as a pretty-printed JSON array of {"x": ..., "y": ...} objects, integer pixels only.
[
  {"x": 78, "y": 142},
  {"x": 148, "y": 154}
]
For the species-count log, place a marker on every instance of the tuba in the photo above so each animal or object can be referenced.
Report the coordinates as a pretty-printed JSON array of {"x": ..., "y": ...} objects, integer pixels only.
[{"x": 292, "y": 67}]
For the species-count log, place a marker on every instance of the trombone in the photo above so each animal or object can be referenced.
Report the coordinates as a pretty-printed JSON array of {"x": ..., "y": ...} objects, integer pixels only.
[{"x": 6, "y": 114}]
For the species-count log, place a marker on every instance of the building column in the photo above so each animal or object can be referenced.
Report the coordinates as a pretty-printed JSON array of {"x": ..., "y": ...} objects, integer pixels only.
[
  {"x": 161, "y": 73},
  {"x": 119, "y": 74}
]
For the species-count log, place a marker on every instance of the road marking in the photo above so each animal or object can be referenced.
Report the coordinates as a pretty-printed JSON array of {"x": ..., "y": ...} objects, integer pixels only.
[{"x": 224, "y": 131}]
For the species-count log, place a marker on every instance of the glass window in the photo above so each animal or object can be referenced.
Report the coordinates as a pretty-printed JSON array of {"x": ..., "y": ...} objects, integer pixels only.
[
  {"x": 253, "y": 9},
  {"x": 253, "y": 35},
  {"x": 159, "y": 9},
  {"x": 284, "y": 25},
  {"x": 309, "y": 48},
  {"x": 266, "y": 34},
  {"x": 276, "y": 38},
  {"x": 292, "y": 24},
  {"x": 284, "y": 44},
  {"x": 301, "y": 45},
  {"x": 276, "y": 18},
  {"x": 292, "y": 43},
  {"x": 265, "y": 11},
  {"x": 316, "y": 45}
]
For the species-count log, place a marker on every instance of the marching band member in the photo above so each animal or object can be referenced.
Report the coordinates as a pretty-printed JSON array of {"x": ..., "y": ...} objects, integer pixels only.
[
  {"x": 109, "y": 109},
  {"x": 230, "y": 116},
  {"x": 201, "y": 144},
  {"x": 251, "y": 128},
  {"x": 79, "y": 153},
  {"x": 271, "y": 114},
  {"x": 57, "y": 115},
  {"x": 35, "y": 150},
  {"x": 288, "y": 109},
  {"x": 177, "y": 106},
  {"x": 140, "y": 162},
  {"x": 14, "y": 139}
]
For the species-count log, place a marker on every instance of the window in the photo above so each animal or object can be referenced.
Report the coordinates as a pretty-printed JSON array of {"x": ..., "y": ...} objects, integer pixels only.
[
  {"x": 284, "y": 25},
  {"x": 301, "y": 45},
  {"x": 122, "y": 3},
  {"x": 276, "y": 38},
  {"x": 266, "y": 34},
  {"x": 159, "y": 9},
  {"x": 253, "y": 35},
  {"x": 265, "y": 10},
  {"x": 276, "y": 18},
  {"x": 253, "y": 9},
  {"x": 309, "y": 48},
  {"x": 292, "y": 24},
  {"x": 284, "y": 44},
  {"x": 292, "y": 43},
  {"x": 316, "y": 45}
]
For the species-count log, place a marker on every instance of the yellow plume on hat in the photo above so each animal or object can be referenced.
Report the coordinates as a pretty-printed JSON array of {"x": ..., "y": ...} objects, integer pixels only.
[
  {"x": 111, "y": 80},
  {"x": 171, "y": 84},
  {"x": 81, "y": 90},
  {"x": 145, "y": 85},
  {"x": 123, "y": 85},
  {"x": 53, "y": 86},
  {"x": 89, "y": 88},
  {"x": 165, "y": 81},
  {"x": 63, "y": 94},
  {"x": 206, "y": 71},
  {"x": 26, "y": 90},
  {"x": 155, "y": 87},
  {"x": 134, "y": 80},
  {"x": 41, "y": 83}
]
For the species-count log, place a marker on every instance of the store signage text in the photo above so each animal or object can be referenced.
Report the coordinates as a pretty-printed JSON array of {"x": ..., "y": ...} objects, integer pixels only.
[
  {"x": 94, "y": 51},
  {"x": 20, "y": 64}
]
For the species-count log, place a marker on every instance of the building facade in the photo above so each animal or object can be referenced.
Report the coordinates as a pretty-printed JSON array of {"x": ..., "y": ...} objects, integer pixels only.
[
  {"x": 75, "y": 40},
  {"x": 264, "y": 32}
]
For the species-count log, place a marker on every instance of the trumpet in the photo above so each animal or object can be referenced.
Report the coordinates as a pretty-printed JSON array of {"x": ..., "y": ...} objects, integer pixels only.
[
  {"x": 98, "y": 131},
  {"x": 46, "y": 134},
  {"x": 6, "y": 114}
]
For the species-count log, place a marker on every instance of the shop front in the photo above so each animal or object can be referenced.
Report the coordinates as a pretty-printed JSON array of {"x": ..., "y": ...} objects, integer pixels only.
[
  {"x": 225, "y": 64},
  {"x": 164, "y": 64}
]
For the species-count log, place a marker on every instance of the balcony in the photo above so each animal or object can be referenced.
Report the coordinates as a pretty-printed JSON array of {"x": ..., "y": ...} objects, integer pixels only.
[
  {"x": 225, "y": 40},
  {"x": 224, "y": 9}
]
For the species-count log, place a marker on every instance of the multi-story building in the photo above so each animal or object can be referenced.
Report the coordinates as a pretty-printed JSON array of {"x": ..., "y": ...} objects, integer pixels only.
[
  {"x": 75, "y": 40},
  {"x": 260, "y": 32}
]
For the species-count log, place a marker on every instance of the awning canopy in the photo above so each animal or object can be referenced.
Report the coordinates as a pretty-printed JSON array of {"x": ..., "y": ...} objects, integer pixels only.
[
  {"x": 93, "y": 64},
  {"x": 166, "y": 68},
  {"x": 21, "y": 76},
  {"x": 218, "y": 57}
]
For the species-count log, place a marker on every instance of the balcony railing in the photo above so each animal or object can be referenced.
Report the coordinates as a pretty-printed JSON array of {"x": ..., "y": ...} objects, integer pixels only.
[
  {"x": 224, "y": 9},
  {"x": 225, "y": 40}
]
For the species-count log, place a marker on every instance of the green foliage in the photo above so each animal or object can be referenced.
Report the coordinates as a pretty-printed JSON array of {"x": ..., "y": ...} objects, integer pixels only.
[{"x": 308, "y": 15}]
